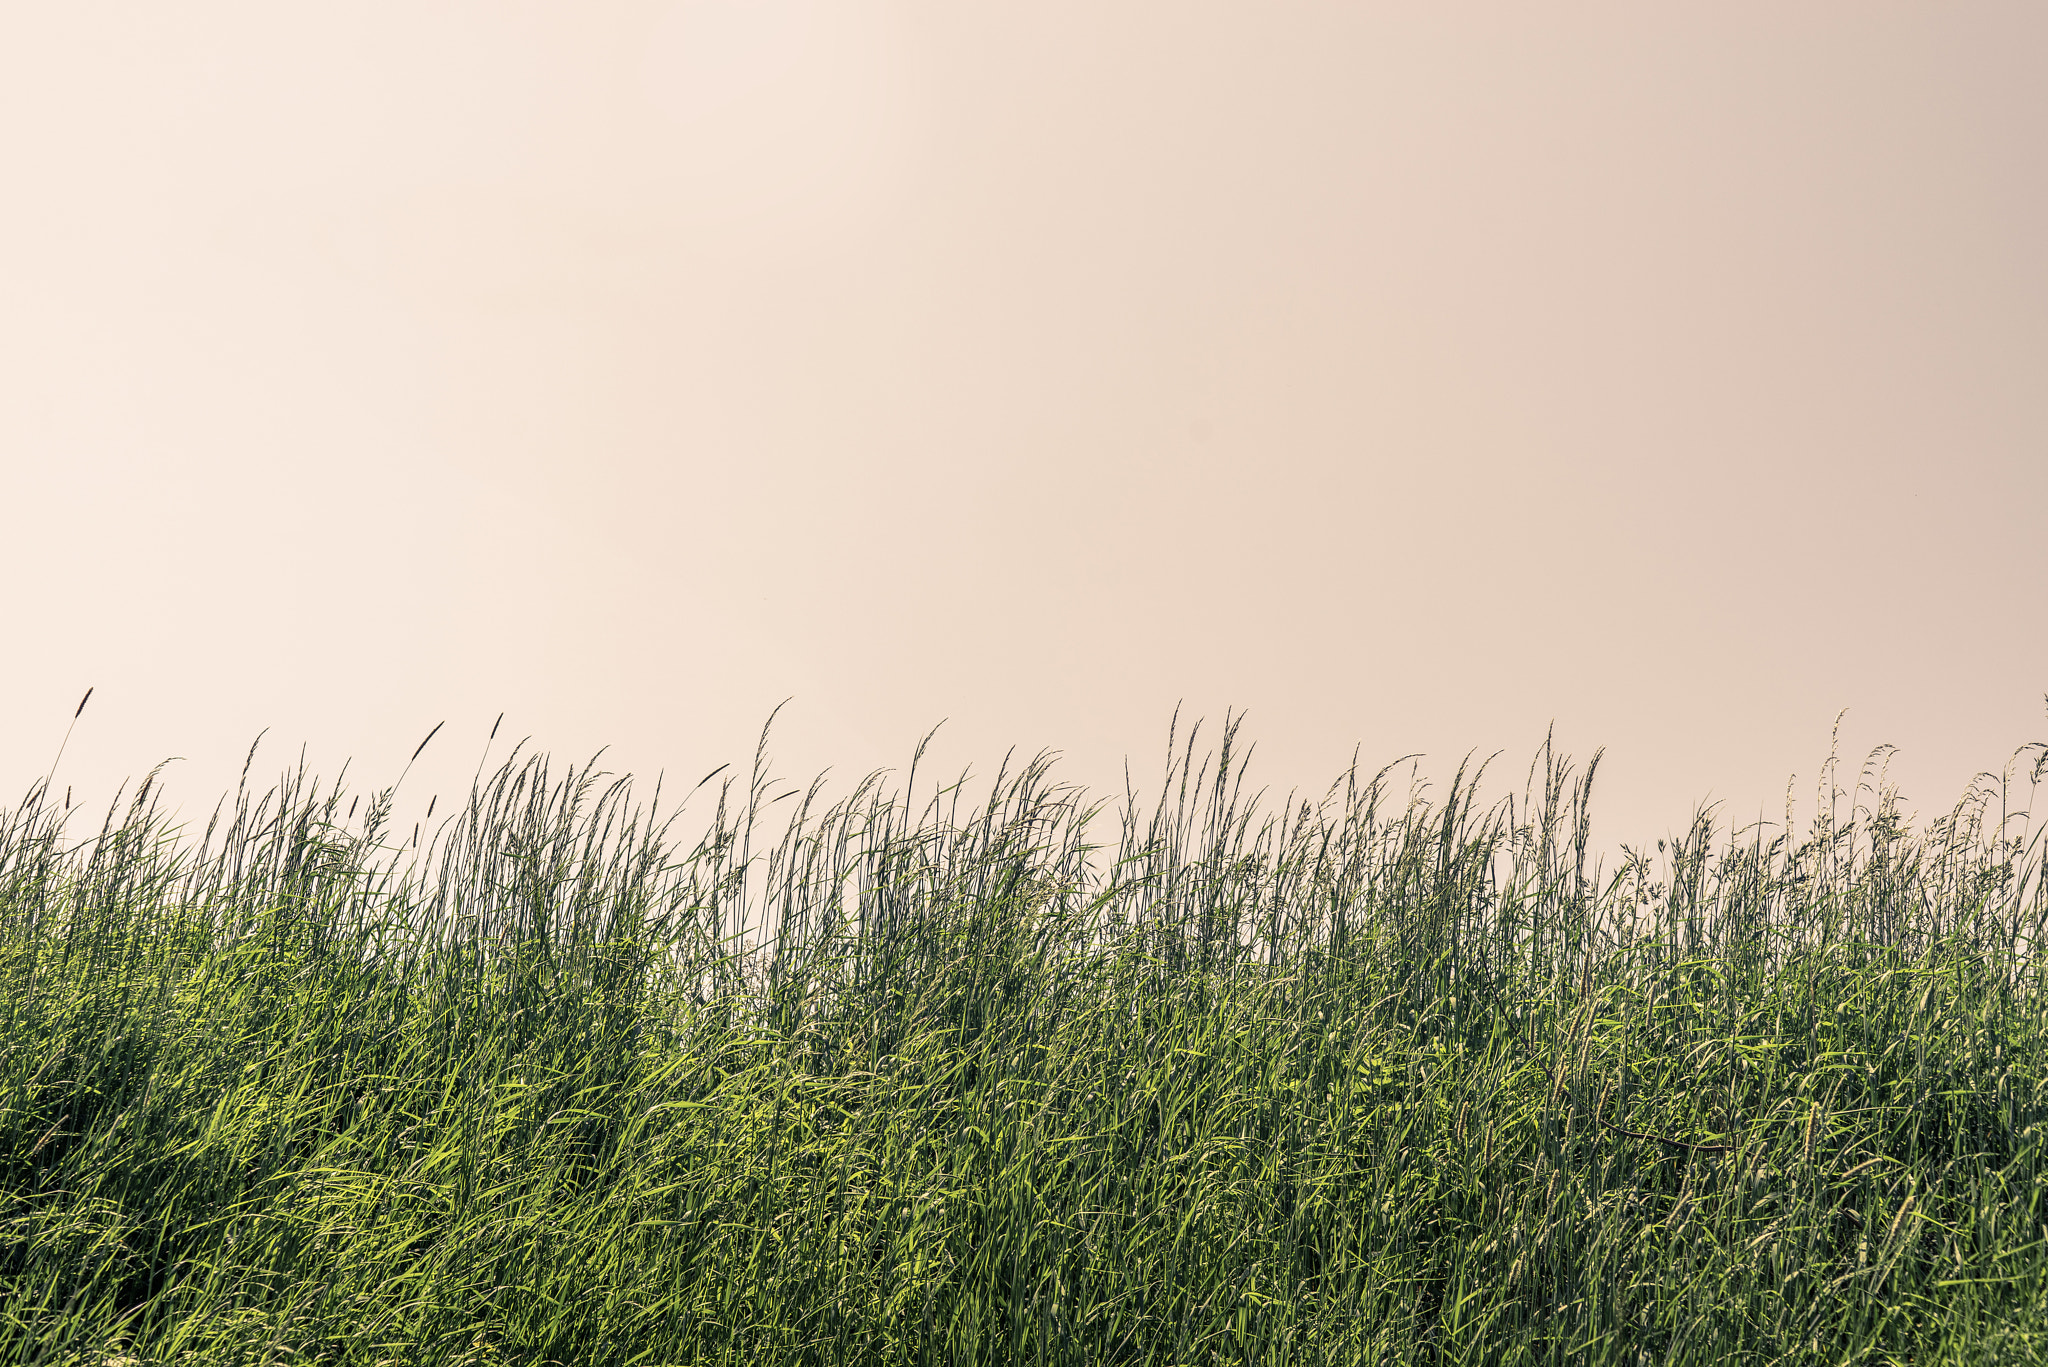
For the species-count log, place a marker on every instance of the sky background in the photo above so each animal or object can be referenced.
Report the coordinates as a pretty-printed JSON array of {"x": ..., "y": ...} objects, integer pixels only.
[{"x": 1412, "y": 377}]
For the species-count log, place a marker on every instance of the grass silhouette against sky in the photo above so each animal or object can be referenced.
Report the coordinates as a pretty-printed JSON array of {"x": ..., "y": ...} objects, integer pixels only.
[{"x": 1400, "y": 1075}]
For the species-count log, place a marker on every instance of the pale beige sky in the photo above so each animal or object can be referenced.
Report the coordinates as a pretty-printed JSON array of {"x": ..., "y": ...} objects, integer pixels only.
[{"x": 1412, "y": 376}]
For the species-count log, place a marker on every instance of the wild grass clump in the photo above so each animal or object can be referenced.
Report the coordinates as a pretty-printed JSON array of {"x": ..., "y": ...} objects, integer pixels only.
[{"x": 1396, "y": 1077}]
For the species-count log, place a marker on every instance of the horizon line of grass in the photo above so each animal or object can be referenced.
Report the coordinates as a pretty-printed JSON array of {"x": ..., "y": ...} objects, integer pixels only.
[{"x": 1388, "y": 1077}]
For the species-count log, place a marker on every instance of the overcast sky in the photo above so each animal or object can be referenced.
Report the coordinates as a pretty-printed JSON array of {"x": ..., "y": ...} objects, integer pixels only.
[{"x": 1412, "y": 377}]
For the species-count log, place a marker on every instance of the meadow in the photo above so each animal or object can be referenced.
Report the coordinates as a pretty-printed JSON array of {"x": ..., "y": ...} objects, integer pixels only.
[{"x": 1406, "y": 1074}]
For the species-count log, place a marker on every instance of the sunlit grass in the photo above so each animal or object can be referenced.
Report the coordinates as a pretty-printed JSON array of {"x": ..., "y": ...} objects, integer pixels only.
[{"x": 1400, "y": 1076}]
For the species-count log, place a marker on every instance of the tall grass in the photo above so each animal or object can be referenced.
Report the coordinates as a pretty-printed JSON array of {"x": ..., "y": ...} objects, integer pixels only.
[{"x": 1400, "y": 1076}]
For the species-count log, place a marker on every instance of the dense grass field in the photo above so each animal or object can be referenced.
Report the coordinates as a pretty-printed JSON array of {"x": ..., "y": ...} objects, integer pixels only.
[{"x": 1406, "y": 1075}]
